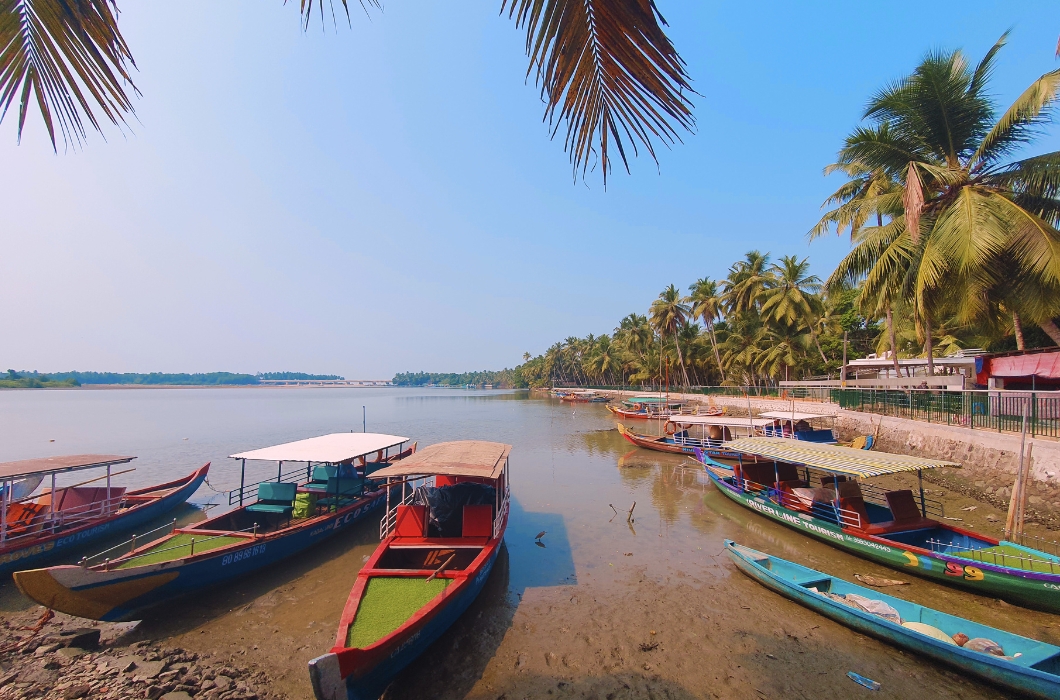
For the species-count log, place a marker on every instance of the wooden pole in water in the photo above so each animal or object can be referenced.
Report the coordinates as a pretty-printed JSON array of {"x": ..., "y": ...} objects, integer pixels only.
[
  {"x": 1017, "y": 486},
  {"x": 1023, "y": 494}
]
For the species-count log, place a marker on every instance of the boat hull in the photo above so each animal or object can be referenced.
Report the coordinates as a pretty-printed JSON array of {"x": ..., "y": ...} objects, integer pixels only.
[
  {"x": 124, "y": 594},
  {"x": 41, "y": 549},
  {"x": 1027, "y": 680},
  {"x": 372, "y": 684},
  {"x": 660, "y": 444},
  {"x": 1026, "y": 588}
]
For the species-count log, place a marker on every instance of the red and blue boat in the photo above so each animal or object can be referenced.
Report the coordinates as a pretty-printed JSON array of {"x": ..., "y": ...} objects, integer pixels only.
[
  {"x": 440, "y": 539},
  {"x": 41, "y": 519},
  {"x": 325, "y": 491}
]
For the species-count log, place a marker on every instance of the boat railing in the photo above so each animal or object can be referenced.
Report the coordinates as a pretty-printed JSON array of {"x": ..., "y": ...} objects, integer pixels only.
[
  {"x": 988, "y": 555},
  {"x": 1039, "y": 543},
  {"x": 878, "y": 496},
  {"x": 188, "y": 545},
  {"x": 298, "y": 476},
  {"x": 131, "y": 543},
  {"x": 389, "y": 521},
  {"x": 50, "y": 522},
  {"x": 502, "y": 515},
  {"x": 826, "y": 511}
]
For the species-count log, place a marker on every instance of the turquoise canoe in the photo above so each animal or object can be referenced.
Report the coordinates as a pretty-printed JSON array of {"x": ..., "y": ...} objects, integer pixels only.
[{"x": 1029, "y": 666}]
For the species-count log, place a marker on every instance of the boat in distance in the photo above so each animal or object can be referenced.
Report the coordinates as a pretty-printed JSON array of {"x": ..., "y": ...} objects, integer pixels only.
[
  {"x": 439, "y": 541},
  {"x": 1009, "y": 660},
  {"x": 280, "y": 518},
  {"x": 817, "y": 490},
  {"x": 60, "y": 519}
]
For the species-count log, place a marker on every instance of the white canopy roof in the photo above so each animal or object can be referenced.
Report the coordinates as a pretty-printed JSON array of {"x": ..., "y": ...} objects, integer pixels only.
[
  {"x": 334, "y": 448},
  {"x": 728, "y": 421},
  {"x": 789, "y": 415}
]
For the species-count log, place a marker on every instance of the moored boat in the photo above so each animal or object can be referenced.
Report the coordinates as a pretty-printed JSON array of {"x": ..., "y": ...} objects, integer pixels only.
[
  {"x": 298, "y": 509},
  {"x": 60, "y": 519},
  {"x": 1010, "y": 660},
  {"x": 439, "y": 543},
  {"x": 817, "y": 489},
  {"x": 684, "y": 434},
  {"x": 647, "y": 407}
]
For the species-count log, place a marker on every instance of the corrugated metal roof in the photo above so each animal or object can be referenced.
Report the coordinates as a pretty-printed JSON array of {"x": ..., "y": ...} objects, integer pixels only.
[{"x": 834, "y": 458}]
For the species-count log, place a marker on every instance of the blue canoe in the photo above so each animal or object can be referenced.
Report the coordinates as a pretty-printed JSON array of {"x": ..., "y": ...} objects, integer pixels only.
[{"x": 1029, "y": 666}]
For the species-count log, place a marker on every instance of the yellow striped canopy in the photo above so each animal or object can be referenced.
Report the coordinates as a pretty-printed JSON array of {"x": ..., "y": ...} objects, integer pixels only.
[{"x": 833, "y": 458}]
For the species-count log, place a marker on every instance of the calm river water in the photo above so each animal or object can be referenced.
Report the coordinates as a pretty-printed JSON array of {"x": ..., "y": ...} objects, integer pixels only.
[{"x": 572, "y": 617}]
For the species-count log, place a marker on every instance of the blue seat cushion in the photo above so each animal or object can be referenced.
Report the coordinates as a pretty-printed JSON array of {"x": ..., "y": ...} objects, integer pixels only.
[
  {"x": 276, "y": 491},
  {"x": 270, "y": 508}
]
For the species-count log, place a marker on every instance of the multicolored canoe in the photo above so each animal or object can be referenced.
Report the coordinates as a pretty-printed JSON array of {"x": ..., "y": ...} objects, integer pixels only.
[
  {"x": 817, "y": 490},
  {"x": 684, "y": 434},
  {"x": 36, "y": 526},
  {"x": 1018, "y": 663},
  {"x": 301, "y": 508},
  {"x": 439, "y": 543}
]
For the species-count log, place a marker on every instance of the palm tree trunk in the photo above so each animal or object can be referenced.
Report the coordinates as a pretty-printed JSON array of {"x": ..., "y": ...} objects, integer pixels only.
[
  {"x": 1017, "y": 328},
  {"x": 929, "y": 346},
  {"x": 816, "y": 342},
  {"x": 893, "y": 341},
  {"x": 680, "y": 358},
  {"x": 1051, "y": 330},
  {"x": 714, "y": 344}
]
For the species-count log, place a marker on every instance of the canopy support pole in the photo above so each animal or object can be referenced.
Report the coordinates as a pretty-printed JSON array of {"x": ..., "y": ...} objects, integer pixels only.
[
  {"x": 242, "y": 478},
  {"x": 51, "y": 508},
  {"x": 923, "y": 506},
  {"x": 7, "y": 486},
  {"x": 106, "y": 501},
  {"x": 279, "y": 470}
]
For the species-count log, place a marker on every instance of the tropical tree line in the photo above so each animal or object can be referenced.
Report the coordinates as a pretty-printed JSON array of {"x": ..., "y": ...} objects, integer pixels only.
[{"x": 954, "y": 244}]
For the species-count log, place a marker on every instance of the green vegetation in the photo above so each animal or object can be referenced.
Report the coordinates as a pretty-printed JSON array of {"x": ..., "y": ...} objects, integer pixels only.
[
  {"x": 503, "y": 379},
  {"x": 15, "y": 380},
  {"x": 387, "y": 603},
  {"x": 290, "y": 376},
  {"x": 179, "y": 546}
]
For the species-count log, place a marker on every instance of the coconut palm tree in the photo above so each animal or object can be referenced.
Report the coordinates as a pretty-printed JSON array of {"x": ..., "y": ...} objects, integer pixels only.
[
  {"x": 746, "y": 281},
  {"x": 606, "y": 69},
  {"x": 967, "y": 208},
  {"x": 706, "y": 304},
  {"x": 668, "y": 313},
  {"x": 792, "y": 299}
]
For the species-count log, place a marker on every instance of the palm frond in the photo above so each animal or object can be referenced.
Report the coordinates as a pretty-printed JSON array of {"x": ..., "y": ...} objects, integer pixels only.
[
  {"x": 985, "y": 69},
  {"x": 306, "y": 9},
  {"x": 607, "y": 69},
  {"x": 1016, "y": 125},
  {"x": 70, "y": 58}
]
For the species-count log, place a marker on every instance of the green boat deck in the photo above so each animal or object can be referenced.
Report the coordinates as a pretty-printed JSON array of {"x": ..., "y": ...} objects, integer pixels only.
[
  {"x": 388, "y": 602},
  {"x": 1008, "y": 555},
  {"x": 177, "y": 547}
]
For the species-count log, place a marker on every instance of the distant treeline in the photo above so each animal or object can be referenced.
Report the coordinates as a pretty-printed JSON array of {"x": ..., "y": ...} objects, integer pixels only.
[
  {"x": 35, "y": 379},
  {"x": 502, "y": 379}
]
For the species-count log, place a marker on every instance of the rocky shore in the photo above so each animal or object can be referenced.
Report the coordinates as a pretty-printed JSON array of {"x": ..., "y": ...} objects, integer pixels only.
[{"x": 53, "y": 656}]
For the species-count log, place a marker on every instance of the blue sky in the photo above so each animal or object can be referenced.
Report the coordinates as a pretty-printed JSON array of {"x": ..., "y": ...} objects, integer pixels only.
[{"x": 385, "y": 197}]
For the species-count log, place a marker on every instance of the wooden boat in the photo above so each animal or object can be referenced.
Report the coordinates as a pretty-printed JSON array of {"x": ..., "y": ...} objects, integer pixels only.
[
  {"x": 582, "y": 396},
  {"x": 300, "y": 508},
  {"x": 685, "y": 434},
  {"x": 61, "y": 519},
  {"x": 438, "y": 547},
  {"x": 1028, "y": 666},
  {"x": 816, "y": 489},
  {"x": 647, "y": 407}
]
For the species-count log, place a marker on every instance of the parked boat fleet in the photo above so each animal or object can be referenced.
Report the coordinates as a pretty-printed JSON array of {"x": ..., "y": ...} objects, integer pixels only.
[{"x": 444, "y": 511}]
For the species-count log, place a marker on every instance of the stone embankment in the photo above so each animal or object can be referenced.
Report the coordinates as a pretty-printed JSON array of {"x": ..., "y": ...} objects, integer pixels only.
[
  {"x": 989, "y": 460},
  {"x": 57, "y": 657}
]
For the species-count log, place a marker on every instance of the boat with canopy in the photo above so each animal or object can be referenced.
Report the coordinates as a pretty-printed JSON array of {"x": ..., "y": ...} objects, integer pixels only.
[
  {"x": 1009, "y": 660},
  {"x": 808, "y": 427},
  {"x": 440, "y": 539},
  {"x": 820, "y": 490},
  {"x": 648, "y": 407},
  {"x": 40, "y": 517},
  {"x": 683, "y": 434},
  {"x": 327, "y": 487}
]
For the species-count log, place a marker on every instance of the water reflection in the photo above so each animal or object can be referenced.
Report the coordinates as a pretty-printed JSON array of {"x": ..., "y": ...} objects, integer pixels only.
[{"x": 538, "y": 563}]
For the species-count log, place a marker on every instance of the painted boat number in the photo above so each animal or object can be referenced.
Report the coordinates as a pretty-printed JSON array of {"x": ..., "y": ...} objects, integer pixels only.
[
  {"x": 244, "y": 554},
  {"x": 970, "y": 573}
]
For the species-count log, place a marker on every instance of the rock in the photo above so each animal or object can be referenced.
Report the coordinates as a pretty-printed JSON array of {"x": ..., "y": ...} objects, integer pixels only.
[
  {"x": 176, "y": 695},
  {"x": 206, "y": 685},
  {"x": 128, "y": 663},
  {"x": 79, "y": 690},
  {"x": 155, "y": 691},
  {"x": 45, "y": 649},
  {"x": 7, "y": 678},
  {"x": 1034, "y": 500},
  {"x": 71, "y": 652},
  {"x": 83, "y": 638},
  {"x": 521, "y": 661},
  {"x": 149, "y": 670},
  {"x": 50, "y": 665},
  {"x": 550, "y": 659},
  {"x": 222, "y": 683},
  {"x": 991, "y": 517},
  {"x": 168, "y": 676}
]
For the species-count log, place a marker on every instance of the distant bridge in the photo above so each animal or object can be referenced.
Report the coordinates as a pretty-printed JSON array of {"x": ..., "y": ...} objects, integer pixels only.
[{"x": 327, "y": 382}]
